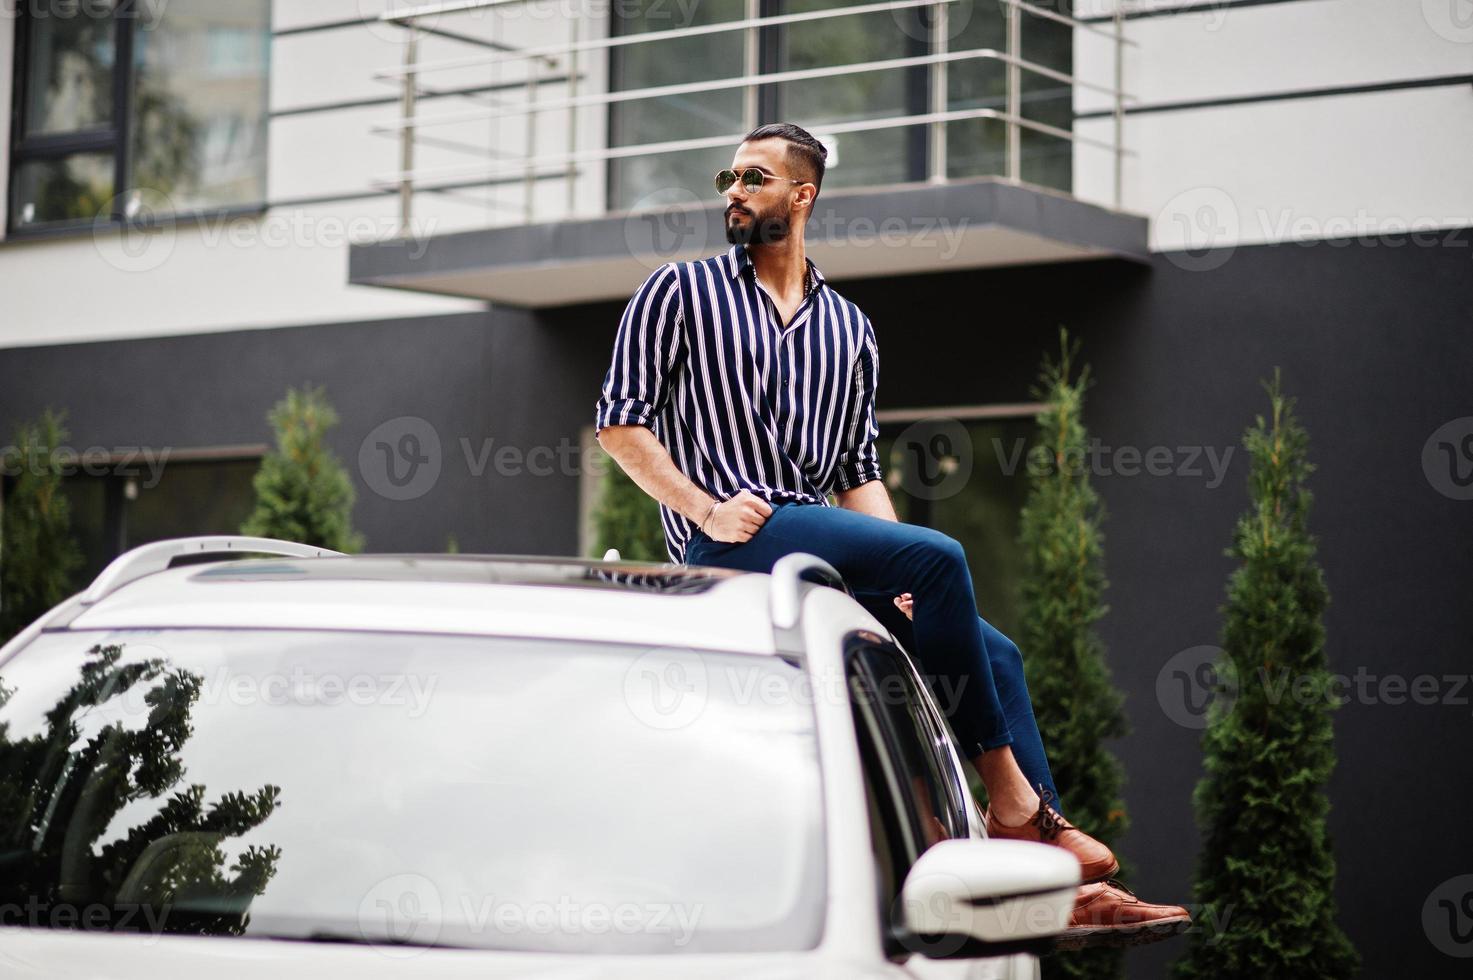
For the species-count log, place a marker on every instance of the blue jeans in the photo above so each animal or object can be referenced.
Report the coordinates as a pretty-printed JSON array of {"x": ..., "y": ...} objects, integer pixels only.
[{"x": 975, "y": 672}]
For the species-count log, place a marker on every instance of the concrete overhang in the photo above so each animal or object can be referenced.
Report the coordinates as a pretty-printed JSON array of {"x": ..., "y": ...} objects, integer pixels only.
[{"x": 901, "y": 230}]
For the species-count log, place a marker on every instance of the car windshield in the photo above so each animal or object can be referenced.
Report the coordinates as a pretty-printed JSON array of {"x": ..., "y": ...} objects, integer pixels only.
[{"x": 410, "y": 789}]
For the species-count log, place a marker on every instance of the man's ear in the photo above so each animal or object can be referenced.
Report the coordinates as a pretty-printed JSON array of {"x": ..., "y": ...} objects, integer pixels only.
[{"x": 804, "y": 197}]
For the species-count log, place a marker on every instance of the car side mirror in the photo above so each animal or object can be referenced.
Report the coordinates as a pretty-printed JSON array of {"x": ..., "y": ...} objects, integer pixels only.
[{"x": 973, "y": 898}]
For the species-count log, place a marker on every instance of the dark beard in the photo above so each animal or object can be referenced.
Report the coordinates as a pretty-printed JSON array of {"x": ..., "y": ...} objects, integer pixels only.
[{"x": 760, "y": 230}]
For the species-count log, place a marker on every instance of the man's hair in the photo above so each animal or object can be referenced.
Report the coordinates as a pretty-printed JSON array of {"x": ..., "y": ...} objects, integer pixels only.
[{"x": 808, "y": 153}]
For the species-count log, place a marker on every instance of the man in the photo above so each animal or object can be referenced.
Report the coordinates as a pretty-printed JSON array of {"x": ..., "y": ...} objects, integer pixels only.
[{"x": 741, "y": 391}]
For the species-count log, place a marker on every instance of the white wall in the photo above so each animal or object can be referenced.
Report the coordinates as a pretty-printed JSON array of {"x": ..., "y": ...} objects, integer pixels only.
[
  {"x": 1287, "y": 168},
  {"x": 289, "y": 265}
]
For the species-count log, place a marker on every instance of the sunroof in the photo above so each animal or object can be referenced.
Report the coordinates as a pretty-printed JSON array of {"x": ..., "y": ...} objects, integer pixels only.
[{"x": 472, "y": 569}]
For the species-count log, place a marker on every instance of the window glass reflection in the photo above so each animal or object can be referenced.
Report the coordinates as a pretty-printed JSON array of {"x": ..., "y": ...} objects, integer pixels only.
[
  {"x": 77, "y": 187},
  {"x": 281, "y": 783},
  {"x": 199, "y": 123},
  {"x": 672, "y": 178},
  {"x": 69, "y": 66}
]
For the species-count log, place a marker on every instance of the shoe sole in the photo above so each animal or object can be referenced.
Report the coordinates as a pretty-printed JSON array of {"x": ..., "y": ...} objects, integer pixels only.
[{"x": 1141, "y": 934}]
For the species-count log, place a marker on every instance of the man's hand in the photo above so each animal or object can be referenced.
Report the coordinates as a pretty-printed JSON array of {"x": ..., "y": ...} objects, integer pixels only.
[
  {"x": 906, "y": 602},
  {"x": 738, "y": 518}
]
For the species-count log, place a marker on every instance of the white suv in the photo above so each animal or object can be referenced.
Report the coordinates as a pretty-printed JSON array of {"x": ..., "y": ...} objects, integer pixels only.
[{"x": 471, "y": 766}]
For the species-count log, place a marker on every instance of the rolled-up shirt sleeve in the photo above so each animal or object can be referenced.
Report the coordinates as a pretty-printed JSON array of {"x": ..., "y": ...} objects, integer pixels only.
[
  {"x": 647, "y": 350},
  {"x": 859, "y": 462}
]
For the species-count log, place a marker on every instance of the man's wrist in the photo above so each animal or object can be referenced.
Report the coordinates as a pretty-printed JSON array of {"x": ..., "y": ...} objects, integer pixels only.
[{"x": 706, "y": 518}]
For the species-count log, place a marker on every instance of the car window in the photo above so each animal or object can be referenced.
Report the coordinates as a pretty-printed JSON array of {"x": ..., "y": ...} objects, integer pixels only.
[
  {"x": 400, "y": 788},
  {"x": 916, "y": 745},
  {"x": 892, "y": 838}
]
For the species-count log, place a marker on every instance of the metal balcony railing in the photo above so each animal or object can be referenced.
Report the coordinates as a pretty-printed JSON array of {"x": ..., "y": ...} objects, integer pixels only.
[{"x": 559, "y": 61}]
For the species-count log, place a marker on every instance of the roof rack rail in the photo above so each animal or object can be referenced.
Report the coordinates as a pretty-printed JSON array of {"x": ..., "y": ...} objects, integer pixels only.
[
  {"x": 160, "y": 555},
  {"x": 787, "y": 597}
]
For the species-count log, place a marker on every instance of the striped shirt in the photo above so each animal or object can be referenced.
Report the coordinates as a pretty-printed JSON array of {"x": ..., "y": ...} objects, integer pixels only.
[{"x": 740, "y": 401}]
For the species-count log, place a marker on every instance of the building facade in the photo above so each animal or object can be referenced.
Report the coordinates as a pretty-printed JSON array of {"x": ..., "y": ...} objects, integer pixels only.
[{"x": 437, "y": 211}]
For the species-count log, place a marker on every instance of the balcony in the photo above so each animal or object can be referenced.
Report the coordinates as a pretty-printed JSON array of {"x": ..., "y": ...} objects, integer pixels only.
[{"x": 582, "y": 159}]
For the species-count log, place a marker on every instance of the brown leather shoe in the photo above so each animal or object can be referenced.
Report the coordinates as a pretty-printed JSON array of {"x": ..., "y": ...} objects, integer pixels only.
[
  {"x": 1108, "y": 914},
  {"x": 1096, "y": 862}
]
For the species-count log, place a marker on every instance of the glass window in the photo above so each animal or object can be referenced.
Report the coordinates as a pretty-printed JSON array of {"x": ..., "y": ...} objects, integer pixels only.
[
  {"x": 313, "y": 785},
  {"x": 881, "y": 156},
  {"x": 72, "y": 188},
  {"x": 69, "y": 67},
  {"x": 892, "y": 851},
  {"x": 911, "y": 748},
  {"x": 117, "y": 511},
  {"x": 976, "y": 147},
  {"x": 195, "y": 96},
  {"x": 670, "y": 178},
  {"x": 199, "y": 116},
  {"x": 191, "y": 498}
]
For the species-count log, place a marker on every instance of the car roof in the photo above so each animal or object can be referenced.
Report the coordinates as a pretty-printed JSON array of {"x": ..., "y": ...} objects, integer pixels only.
[{"x": 509, "y": 595}]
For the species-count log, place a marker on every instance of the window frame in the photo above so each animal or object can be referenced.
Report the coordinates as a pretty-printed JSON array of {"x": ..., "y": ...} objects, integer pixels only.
[{"x": 115, "y": 138}]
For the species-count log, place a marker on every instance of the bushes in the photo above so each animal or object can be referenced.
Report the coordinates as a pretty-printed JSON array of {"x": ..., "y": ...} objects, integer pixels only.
[
  {"x": 38, "y": 555},
  {"x": 303, "y": 493},
  {"x": 1266, "y": 869},
  {"x": 1074, "y": 700},
  {"x": 627, "y": 518}
]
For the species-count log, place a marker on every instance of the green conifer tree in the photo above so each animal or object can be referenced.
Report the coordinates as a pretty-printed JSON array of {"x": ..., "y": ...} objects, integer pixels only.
[
  {"x": 627, "y": 518},
  {"x": 1266, "y": 873},
  {"x": 38, "y": 554},
  {"x": 1076, "y": 704},
  {"x": 303, "y": 492}
]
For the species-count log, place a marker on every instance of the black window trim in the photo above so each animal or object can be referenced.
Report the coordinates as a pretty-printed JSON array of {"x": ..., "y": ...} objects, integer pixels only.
[{"x": 115, "y": 138}]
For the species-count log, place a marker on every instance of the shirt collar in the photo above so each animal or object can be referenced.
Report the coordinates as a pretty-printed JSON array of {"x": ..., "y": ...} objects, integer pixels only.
[{"x": 738, "y": 261}]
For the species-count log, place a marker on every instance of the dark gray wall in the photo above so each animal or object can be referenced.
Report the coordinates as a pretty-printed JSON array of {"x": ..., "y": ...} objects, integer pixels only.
[
  {"x": 473, "y": 377},
  {"x": 1372, "y": 339},
  {"x": 1374, "y": 342}
]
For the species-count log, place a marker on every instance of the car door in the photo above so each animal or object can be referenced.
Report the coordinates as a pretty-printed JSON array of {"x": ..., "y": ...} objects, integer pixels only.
[{"x": 916, "y": 794}]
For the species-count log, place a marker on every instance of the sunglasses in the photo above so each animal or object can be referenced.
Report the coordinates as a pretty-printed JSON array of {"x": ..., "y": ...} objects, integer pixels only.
[{"x": 752, "y": 180}]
